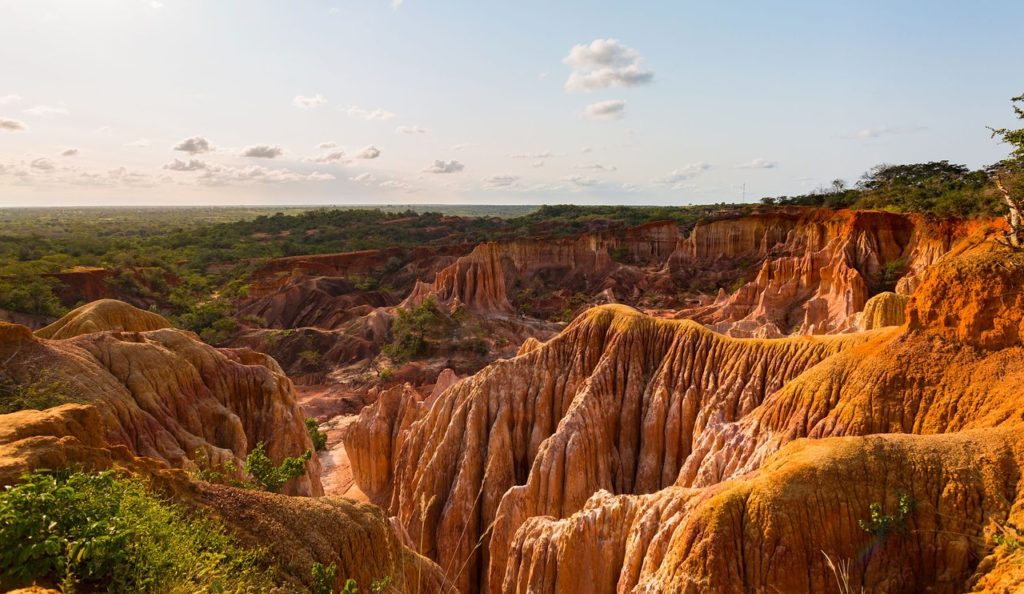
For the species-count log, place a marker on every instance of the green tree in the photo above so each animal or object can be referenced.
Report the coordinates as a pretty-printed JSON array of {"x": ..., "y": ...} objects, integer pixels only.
[
  {"x": 1008, "y": 175},
  {"x": 412, "y": 329}
]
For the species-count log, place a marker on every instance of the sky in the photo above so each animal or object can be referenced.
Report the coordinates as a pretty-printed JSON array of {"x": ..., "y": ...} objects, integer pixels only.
[{"x": 229, "y": 102}]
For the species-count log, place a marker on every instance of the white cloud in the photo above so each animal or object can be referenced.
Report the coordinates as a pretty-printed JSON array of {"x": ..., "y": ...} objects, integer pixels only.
[
  {"x": 262, "y": 151},
  {"x": 190, "y": 165},
  {"x": 370, "y": 152},
  {"x": 215, "y": 175},
  {"x": 125, "y": 176},
  {"x": 584, "y": 182},
  {"x": 462, "y": 146},
  {"x": 501, "y": 181},
  {"x": 605, "y": 63},
  {"x": 759, "y": 163},
  {"x": 411, "y": 130},
  {"x": 43, "y": 164},
  {"x": 395, "y": 185},
  {"x": 878, "y": 131},
  {"x": 140, "y": 143},
  {"x": 537, "y": 155},
  {"x": 362, "y": 178},
  {"x": 70, "y": 152},
  {"x": 304, "y": 102},
  {"x": 8, "y": 99},
  {"x": 156, "y": 4},
  {"x": 327, "y": 145},
  {"x": 612, "y": 109},
  {"x": 361, "y": 113},
  {"x": 597, "y": 167},
  {"x": 194, "y": 145},
  {"x": 47, "y": 110},
  {"x": 11, "y": 125},
  {"x": 331, "y": 157},
  {"x": 677, "y": 176},
  {"x": 444, "y": 167},
  {"x": 537, "y": 164}
]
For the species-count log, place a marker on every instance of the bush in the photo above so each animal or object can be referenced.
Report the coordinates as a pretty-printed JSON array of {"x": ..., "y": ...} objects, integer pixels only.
[
  {"x": 323, "y": 578},
  {"x": 881, "y": 525},
  {"x": 99, "y": 532},
  {"x": 318, "y": 437},
  {"x": 39, "y": 394},
  {"x": 412, "y": 329},
  {"x": 269, "y": 477}
]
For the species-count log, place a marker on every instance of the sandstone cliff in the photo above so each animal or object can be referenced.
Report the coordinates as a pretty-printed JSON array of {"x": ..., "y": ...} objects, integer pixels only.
[
  {"x": 484, "y": 279},
  {"x": 634, "y": 454}
]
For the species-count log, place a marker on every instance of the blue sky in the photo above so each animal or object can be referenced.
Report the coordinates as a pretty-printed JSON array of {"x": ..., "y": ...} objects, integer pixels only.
[{"x": 432, "y": 101}]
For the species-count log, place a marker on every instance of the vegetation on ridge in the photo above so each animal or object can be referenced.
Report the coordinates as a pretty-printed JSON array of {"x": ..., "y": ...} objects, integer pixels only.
[{"x": 103, "y": 533}]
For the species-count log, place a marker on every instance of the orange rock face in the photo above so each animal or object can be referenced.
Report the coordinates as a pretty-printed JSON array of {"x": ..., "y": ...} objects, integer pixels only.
[
  {"x": 163, "y": 394},
  {"x": 483, "y": 279},
  {"x": 633, "y": 454},
  {"x": 817, "y": 267}
]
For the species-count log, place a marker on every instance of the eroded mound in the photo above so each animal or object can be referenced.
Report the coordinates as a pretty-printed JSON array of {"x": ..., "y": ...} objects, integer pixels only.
[
  {"x": 101, "y": 316},
  {"x": 165, "y": 395}
]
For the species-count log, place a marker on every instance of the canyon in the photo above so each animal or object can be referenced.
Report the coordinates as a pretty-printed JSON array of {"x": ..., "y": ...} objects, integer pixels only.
[{"x": 650, "y": 409}]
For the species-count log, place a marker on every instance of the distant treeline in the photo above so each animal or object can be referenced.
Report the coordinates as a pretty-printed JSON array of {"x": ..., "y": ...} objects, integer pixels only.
[{"x": 938, "y": 188}]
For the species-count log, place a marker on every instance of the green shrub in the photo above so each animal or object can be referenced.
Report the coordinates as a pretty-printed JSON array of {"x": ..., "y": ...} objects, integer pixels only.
[
  {"x": 350, "y": 587},
  {"x": 310, "y": 356},
  {"x": 323, "y": 578},
  {"x": 100, "y": 532},
  {"x": 269, "y": 477},
  {"x": 881, "y": 525},
  {"x": 318, "y": 437},
  {"x": 412, "y": 330},
  {"x": 1009, "y": 536},
  {"x": 39, "y": 394}
]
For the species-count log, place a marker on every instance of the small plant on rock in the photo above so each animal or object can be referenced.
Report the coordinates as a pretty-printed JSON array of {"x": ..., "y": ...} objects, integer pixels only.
[
  {"x": 323, "y": 578},
  {"x": 318, "y": 437},
  {"x": 269, "y": 477},
  {"x": 881, "y": 525}
]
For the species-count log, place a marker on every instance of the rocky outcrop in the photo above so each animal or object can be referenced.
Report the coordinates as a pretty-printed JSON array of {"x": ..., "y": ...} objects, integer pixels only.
[
  {"x": 641, "y": 390},
  {"x": 884, "y": 309},
  {"x": 771, "y": 532},
  {"x": 104, "y": 315},
  {"x": 636, "y": 454},
  {"x": 165, "y": 395},
  {"x": 816, "y": 268},
  {"x": 356, "y": 537}
]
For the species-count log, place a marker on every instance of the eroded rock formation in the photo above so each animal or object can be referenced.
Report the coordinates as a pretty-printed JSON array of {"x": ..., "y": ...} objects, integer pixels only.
[
  {"x": 633, "y": 454},
  {"x": 162, "y": 393}
]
